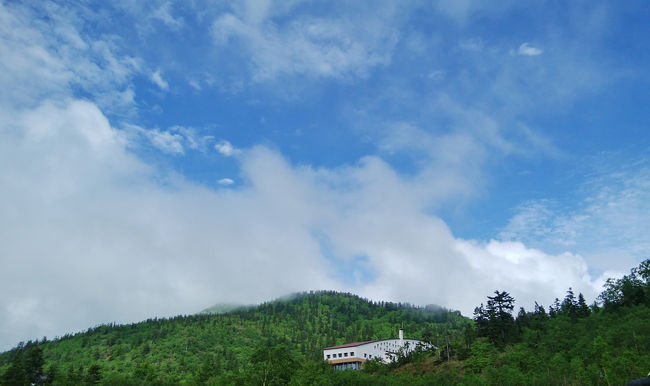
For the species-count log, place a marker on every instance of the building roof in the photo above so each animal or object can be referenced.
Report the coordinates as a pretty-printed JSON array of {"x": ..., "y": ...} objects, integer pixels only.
[{"x": 349, "y": 345}]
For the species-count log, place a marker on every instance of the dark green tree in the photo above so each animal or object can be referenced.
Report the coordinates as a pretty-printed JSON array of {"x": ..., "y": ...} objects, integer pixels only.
[
  {"x": 51, "y": 376},
  {"x": 15, "y": 374},
  {"x": 482, "y": 319},
  {"x": 206, "y": 371},
  {"x": 495, "y": 321},
  {"x": 313, "y": 373},
  {"x": 94, "y": 375},
  {"x": 273, "y": 365},
  {"x": 569, "y": 304},
  {"x": 630, "y": 290},
  {"x": 582, "y": 309},
  {"x": 26, "y": 367}
]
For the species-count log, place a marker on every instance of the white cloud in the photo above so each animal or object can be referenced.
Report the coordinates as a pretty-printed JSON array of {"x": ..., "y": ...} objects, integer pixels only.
[
  {"x": 437, "y": 75},
  {"x": 164, "y": 14},
  {"x": 176, "y": 140},
  {"x": 475, "y": 45},
  {"x": 103, "y": 236},
  {"x": 159, "y": 81},
  {"x": 462, "y": 11},
  {"x": 166, "y": 141},
  {"x": 605, "y": 223},
  {"x": 150, "y": 15},
  {"x": 455, "y": 147},
  {"x": 226, "y": 148},
  {"x": 528, "y": 50},
  {"x": 320, "y": 47},
  {"x": 194, "y": 84},
  {"x": 93, "y": 206},
  {"x": 43, "y": 60}
]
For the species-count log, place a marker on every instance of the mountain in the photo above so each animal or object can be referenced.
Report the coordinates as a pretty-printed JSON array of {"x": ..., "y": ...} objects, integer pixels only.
[
  {"x": 224, "y": 308},
  {"x": 174, "y": 350},
  {"x": 281, "y": 342}
]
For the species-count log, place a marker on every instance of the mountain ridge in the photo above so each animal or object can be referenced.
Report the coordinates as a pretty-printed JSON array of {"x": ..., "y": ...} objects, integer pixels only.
[
  {"x": 305, "y": 321},
  {"x": 281, "y": 342}
]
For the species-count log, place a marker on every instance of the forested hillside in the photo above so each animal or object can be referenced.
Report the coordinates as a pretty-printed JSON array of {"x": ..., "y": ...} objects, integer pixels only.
[
  {"x": 197, "y": 347},
  {"x": 280, "y": 342}
]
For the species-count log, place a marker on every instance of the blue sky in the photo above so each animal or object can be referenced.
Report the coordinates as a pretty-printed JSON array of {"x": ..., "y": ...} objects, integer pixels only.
[{"x": 159, "y": 157}]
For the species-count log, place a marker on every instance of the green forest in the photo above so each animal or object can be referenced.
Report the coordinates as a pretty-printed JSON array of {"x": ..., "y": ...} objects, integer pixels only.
[{"x": 280, "y": 342}]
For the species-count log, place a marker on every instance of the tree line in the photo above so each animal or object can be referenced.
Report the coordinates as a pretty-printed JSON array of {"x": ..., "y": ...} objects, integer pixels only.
[{"x": 281, "y": 342}]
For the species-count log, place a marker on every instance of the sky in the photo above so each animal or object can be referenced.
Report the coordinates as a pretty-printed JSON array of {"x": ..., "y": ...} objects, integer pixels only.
[{"x": 158, "y": 157}]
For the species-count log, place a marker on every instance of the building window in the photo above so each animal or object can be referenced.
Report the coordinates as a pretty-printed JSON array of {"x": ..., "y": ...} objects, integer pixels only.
[
  {"x": 340, "y": 355},
  {"x": 352, "y": 354},
  {"x": 365, "y": 355},
  {"x": 328, "y": 356},
  {"x": 345, "y": 354},
  {"x": 348, "y": 365}
]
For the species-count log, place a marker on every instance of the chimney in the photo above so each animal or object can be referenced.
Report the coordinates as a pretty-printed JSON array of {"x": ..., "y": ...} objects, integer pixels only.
[{"x": 401, "y": 335}]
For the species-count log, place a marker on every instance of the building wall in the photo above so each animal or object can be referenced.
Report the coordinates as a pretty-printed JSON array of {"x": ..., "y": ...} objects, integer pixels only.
[{"x": 379, "y": 349}]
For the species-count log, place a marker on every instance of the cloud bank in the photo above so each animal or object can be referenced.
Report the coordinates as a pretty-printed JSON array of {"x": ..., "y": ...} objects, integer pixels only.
[
  {"x": 91, "y": 234},
  {"x": 94, "y": 228}
]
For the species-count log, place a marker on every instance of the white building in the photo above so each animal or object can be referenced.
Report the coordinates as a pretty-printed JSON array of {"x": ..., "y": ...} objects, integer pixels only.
[{"x": 353, "y": 355}]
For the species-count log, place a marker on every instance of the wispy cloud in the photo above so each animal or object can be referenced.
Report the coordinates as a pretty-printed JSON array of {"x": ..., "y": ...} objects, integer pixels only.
[
  {"x": 166, "y": 141},
  {"x": 606, "y": 223},
  {"x": 453, "y": 144},
  {"x": 156, "y": 78},
  {"x": 528, "y": 50},
  {"x": 225, "y": 148},
  {"x": 308, "y": 45},
  {"x": 175, "y": 140},
  {"x": 164, "y": 14},
  {"x": 461, "y": 11},
  {"x": 436, "y": 75},
  {"x": 475, "y": 45},
  {"x": 42, "y": 60}
]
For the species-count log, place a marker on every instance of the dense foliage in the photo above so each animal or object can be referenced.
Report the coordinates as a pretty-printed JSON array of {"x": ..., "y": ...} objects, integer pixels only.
[
  {"x": 281, "y": 342},
  {"x": 200, "y": 347}
]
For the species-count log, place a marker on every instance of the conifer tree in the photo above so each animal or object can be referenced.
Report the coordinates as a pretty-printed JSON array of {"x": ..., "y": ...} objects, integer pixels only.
[
  {"x": 495, "y": 321},
  {"x": 582, "y": 309}
]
